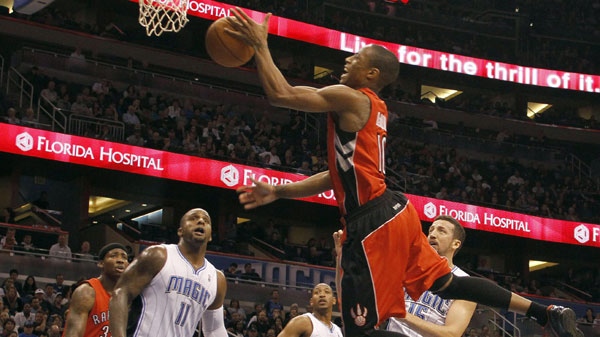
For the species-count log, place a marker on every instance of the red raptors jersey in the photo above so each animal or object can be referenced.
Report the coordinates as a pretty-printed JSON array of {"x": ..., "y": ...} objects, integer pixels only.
[
  {"x": 357, "y": 159},
  {"x": 97, "y": 323}
]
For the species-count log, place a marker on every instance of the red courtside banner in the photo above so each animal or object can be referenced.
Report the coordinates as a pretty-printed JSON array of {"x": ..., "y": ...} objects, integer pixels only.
[
  {"x": 139, "y": 160},
  {"x": 432, "y": 59}
]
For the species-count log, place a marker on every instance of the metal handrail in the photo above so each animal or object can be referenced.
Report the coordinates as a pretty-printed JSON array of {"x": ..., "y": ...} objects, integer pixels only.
[
  {"x": 57, "y": 117},
  {"x": 79, "y": 124},
  {"x": 23, "y": 86}
]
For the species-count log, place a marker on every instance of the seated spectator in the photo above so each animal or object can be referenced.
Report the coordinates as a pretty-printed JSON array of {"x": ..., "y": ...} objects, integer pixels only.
[
  {"x": 136, "y": 138},
  {"x": 232, "y": 271},
  {"x": 26, "y": 245},
  {"x": 9, "y": 241},
  {"x": 14, "y": 275},
  {"x": 28, "y": 327},
  {"x": 258, "y": 307},
  {"x": 294, "y": 311},
  {"x": 57, "y": 307},
  {"x": 24, "y": 316},
  {"x": 29, "y": 287},
  {"x": 249, "y": 273},
  {"x": 9, "y": 327},
  {"x": 49, "y": 93},
  {"x": 59, "y": 284},
  {"x": 36, "y": 305},
  {"x": 12, "y": 301},
  {"x": 234, "y": 307},
  {"x": 39, "y": 325},
  {"x": 273, "y": 304},
  {"x": 61, "y": 250},
  {"x": 84, "y": 252},
  {"x": 11, "y": 116},
  {"x": 48, "y": 295}
]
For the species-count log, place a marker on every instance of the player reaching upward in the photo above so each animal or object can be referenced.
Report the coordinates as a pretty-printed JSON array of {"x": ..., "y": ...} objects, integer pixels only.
[{"x": 382, "y": 228}]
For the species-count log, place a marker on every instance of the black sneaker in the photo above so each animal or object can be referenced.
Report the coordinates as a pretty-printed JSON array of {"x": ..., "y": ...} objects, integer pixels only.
[{"x": 561, "y": 322}]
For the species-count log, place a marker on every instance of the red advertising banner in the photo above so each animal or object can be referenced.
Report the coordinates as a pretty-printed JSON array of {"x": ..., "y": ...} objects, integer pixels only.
[
  {"x": 460, "y": 64},
  {"x": 509, "y": 223},
  {"x": 139, "y": 160}
]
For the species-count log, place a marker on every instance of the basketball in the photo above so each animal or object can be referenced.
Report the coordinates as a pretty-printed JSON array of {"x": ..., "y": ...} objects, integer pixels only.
[{"x": 225, "y": 49}]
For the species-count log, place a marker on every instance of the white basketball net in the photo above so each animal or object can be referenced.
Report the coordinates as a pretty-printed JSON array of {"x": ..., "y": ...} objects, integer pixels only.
[{"x": 160, "y": 16}]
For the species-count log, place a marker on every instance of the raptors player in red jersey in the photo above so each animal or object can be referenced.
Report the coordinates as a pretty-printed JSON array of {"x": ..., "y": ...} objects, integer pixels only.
[
  {"x": 384, "y": 248},
  {"x": 88, "y": 312}
]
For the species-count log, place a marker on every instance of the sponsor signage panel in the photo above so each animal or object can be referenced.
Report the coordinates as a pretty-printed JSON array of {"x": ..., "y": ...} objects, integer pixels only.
[
  {"x": 139, "y": 160},
  {"x": 509, "y": 223},
  {"x": 432, "y": 59}
]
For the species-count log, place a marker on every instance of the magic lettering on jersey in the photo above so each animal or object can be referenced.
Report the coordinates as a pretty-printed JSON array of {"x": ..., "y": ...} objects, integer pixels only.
[
  {"x": 428, "y": 301},
  {"x": 189, "y": 288}
]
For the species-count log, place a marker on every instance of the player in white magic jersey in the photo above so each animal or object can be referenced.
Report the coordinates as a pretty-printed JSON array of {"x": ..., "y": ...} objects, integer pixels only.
[
  {"x": 179, "y": 288},
  {"x": 432, "y": 315},
  {"x": 318, "y": 323}
]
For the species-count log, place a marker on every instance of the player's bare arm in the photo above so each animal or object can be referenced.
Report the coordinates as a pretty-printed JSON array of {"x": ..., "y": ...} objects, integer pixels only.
[
  {"x": 261, "y": 193},
  {"x": 299, "y": 326},
  {"x": 82, "y": 302},
  {"x": 457, "y": 320},
  {"x": 337, "y": 240},
  {"x": 337, "y": 98},
  {"x": 135, "y": 278}
]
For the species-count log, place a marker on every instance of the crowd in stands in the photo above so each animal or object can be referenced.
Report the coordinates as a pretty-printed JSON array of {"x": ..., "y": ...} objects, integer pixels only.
[
  {"x": 236, "y": 133},
  {"x": 19, "y": 242},
  {"x": 28, "y": 308},
  {"x": 546, "y": 46},
  {"x": 525, "y": 32}
]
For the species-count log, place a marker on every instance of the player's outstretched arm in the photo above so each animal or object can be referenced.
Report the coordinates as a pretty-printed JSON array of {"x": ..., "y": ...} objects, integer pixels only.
[
  {"x": 82, "y": 302},
  {"x": 261, "y": 193},
  {"x": 136, "y": 277},
  {"x": 279, "y": 91},
  {"x": 337, "y": 240}
]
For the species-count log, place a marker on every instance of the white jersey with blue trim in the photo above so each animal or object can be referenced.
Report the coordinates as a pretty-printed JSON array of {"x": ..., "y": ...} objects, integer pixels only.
[
  {"x": 429, "y": 307},
  {"x": 320, "y": 329},
  {"x": 176, "y": 298}
]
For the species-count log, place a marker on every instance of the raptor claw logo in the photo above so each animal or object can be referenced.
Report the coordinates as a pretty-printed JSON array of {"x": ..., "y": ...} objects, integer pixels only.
[{"x": 360, "y": 315}]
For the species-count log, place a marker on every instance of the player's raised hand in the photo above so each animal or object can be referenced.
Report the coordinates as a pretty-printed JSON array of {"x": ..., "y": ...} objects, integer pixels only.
[
  {"x": 248, "y": 30},
  {"x": 337, "y": 240},
  {"x": 256, "y": 195}
]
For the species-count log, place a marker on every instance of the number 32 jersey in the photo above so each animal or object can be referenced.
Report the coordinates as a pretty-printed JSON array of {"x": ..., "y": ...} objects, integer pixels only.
[{"x": 176, "y": 298}]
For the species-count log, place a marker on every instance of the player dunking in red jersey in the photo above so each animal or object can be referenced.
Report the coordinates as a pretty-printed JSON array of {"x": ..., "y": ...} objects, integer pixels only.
[
  {"x": 88, "y": 312},
  {"x": 384, "y": 247}
]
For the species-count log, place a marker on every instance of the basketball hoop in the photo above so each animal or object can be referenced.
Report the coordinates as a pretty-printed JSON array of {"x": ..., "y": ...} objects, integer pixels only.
[{"x": 160, "y": 16}]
